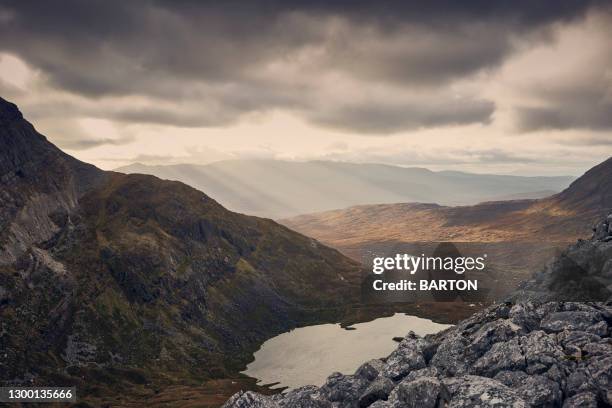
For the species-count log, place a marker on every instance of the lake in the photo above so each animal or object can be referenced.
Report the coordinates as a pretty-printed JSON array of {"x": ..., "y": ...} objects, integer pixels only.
[{"x": 308, "y": 355}]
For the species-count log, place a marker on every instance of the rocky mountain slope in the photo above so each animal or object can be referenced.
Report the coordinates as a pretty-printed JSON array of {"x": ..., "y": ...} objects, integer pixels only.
[
  {"x": 549, "y": 352},
  {"x": 518, "y": 235},
  {"x": 306, "y": 187},
  {"x": 37, "y": 180},
  {"x": 121, "y": 284}
]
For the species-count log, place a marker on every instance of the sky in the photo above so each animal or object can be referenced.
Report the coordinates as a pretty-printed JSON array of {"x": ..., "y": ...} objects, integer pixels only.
[{"x": 517, "y": 87}]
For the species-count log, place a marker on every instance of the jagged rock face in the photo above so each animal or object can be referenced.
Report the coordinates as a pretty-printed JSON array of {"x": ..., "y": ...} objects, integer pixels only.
[
  {"x": 109, "y": 279},
  {"x": 522, "y": 354},
  {"x": 38, "y": 180}
]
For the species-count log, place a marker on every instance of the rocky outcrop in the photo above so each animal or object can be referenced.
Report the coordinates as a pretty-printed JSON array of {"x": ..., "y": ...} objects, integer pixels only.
[
  {"x": 521, "y": 353},
  {"x": 38, "y": 182},
  {"x": 495, "y": 358},
  {"x": 583, "y": 272}
]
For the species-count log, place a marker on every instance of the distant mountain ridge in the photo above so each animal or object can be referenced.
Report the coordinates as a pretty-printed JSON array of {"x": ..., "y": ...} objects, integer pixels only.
[
  {"x": 278, "y": 189},
  {"x": 518, "y": 235},
  {"x": 562, "y": 217}
]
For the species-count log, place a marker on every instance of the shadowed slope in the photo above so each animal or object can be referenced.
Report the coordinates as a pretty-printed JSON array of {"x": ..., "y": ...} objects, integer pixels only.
[{"x": 119, "y": 284}]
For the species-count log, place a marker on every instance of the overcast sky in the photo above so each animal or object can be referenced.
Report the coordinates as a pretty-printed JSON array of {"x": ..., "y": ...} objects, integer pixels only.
[{"x": 521, "y": 87}]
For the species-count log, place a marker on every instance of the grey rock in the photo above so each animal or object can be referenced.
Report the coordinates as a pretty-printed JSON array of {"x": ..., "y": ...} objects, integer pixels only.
[
  {"x": 512, "y": 379},
  {"x": 302, "y": 397},
  {"x": 500, "y": 330},
  {"x": 380, "y": 404},
  {"x": 424, "y": 392},
  {"x": 541, "y": 348},
  {"x": 406, "y": 358},
  {"x": 575, "y": 320},
  {"x": 525, "y": 316},
  {"x": 450, "y": 359},
  {"x": 585, "y": 400},
  {"x": 423, "y": 372},
  {"x": 370, "y": 370},
  {"x": 600, "y": 231},
  {"x": 502, "y": 356},
  {"x": 579, "y": 381},
  {"x": 343, "y": 389},
  {"x": 600, "y": 371},
  {"x": 600, "y": 349},
  {"x": 576, "y": 338},
  {"x": 600, "y": 329},
  {"x": 378, "y": 389},
  {"x": 474, "y": 391},
  {"x": 540, "y": 391},
  {"x": 249, "y": 399}
]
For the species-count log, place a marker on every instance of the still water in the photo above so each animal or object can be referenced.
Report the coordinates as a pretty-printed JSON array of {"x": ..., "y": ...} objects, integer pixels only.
[{"x": 308, "y": 355}]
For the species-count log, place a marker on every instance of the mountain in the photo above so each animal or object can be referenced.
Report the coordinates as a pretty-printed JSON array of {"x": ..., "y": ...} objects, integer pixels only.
[
  {"x": 122, "y": 284},
  {"x": 37, "y": 180},
  {"x": 277, "y": 189},
  {"x": 549, "y": 347},
  {"x": 518, "y": 235}
]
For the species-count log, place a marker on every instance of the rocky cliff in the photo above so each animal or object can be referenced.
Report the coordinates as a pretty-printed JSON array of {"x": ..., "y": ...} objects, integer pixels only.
[
  {"x": 37, "y": 180},
  {"x": 113, "y": 282},
  {"x": 538, "y": 350}
]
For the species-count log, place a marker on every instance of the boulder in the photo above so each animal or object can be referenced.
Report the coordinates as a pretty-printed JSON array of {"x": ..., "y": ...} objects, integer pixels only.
[
  {"x": 585, "y": 400},
  {"x": 249, "y": 399},
  {"x": 406, "y": 358},
  {"x": 379, "y": 389},
  {"x": 344, "y": 390},
  {"x": 302, "y": 397},
  {"x": 473, "y": 391},
  {"x": 574, "y": 320},
  {"x": 424, "y": 392},
  {"x": 501, "y": 356},
  {"x": 370, "y": 370}
]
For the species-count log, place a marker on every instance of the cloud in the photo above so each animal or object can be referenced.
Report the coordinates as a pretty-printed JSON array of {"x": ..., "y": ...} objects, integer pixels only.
[
  {"x": 378, "y": 117},
  {"x": 202, "y": 64},
  {"x": 445, "y": 157},
  {"x": 596, "y": 140},
  {"x": 574, "y": 89}
]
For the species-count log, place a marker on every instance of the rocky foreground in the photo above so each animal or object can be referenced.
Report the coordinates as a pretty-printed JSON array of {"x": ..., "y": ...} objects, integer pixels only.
[{"x": 517, "y": 354}]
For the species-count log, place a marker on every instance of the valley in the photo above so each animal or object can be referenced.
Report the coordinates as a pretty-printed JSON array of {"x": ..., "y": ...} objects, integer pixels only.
[
  {"x": 519, "y": 236},
  {"x": 314, "y": 186}
]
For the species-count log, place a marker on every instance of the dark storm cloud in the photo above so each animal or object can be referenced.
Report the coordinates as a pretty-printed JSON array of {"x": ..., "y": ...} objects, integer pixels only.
[
  {"x": 578, "y": 93},
  {"x": 217, "y": 58},
  {"x": 580, "y": 101},
  {"x": 567, "y": 115},
  {"x": 379, "y": 118}
]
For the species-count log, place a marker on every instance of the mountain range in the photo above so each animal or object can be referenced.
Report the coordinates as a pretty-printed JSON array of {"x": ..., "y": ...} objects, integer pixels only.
[
  {"x": 277, "y": 189},
  {"x": 123, "y": 284},
  {"x": 518, "y": 235}
]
